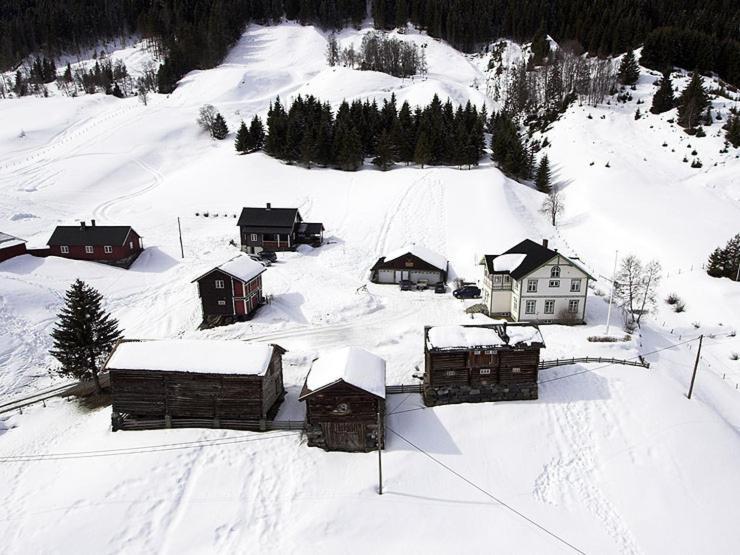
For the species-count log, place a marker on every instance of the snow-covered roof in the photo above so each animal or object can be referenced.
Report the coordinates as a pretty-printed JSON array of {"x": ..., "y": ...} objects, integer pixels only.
[
  {"x": 429, "y": 256},
  {"x": 7, "y": 241},
  {"x": 352, "y": 365},
  {"x": 468, "y": 337},
  {"x": 241, "y": 267},
  {"x": 508, "y": 262},
  {"x": 524, "y": 335},
  {"x": 196, "y": 356}
]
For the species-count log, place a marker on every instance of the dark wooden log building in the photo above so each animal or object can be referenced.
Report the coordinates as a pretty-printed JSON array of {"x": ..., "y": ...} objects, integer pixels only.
[
  {"x": 476, "y": 363},
  {"x": 11, "y": 247},
  {"x": 414, "y": 263},
  {"x": 186, "y": 383},
  {"x": 344, "y": 394},
  {"x": 276, "y": 229},
  {"x": 117, "y": 245}
]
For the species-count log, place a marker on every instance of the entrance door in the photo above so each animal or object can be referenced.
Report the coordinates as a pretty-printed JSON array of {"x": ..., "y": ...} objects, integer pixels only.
[{"x": 401, "y": 275}]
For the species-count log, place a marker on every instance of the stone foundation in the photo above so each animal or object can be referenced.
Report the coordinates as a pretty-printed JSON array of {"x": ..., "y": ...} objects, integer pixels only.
[{"x": 451, "y": 395}]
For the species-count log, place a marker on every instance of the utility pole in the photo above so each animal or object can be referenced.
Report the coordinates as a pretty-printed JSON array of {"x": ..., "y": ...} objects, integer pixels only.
[
  {"x": 179, "y": 231},
  {"x": 611, "y": 295},
  {"x": 696, "y": 367},
  {"x": 379, "y": 439}
]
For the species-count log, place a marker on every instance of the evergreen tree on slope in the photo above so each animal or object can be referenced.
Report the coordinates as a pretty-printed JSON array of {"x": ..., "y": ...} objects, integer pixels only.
[
  {"x": 629, "y": 71},
  {"x": 692, "y": 102},
  {"x": 663, "y": 99}
]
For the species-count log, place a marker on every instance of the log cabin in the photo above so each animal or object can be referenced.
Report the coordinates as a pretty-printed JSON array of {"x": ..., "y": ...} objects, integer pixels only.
[
  {"x": 276, "y": 229},
  {"x": 478, "y": 363},
  {"x": 117, "y": 245},
  {"x": 344, "y": 394},
  {"x": 194, "y": 383},
  {"x": 11, "y": 247},
  {"x": 231, "y": 292},
  {"x": 414, "y": 263}
]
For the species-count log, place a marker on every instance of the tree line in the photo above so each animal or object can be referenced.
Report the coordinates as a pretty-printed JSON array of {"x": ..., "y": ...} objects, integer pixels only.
[
  {"x": 379, "y": 52},
  {"x": 725, "y": 262}
]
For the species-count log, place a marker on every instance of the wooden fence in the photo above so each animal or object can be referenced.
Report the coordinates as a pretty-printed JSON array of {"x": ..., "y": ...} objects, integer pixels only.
[
  {"x": 545, "y": 364},
  {"x": 408, "y": 388}
]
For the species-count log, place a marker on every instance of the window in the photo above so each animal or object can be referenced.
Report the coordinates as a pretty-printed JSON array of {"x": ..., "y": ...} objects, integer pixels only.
[
  {"x": 64, "y": 249},
  {"x": 341, "y": 409},
  {"x": 89, "y": 249},
  {"x": 107, "y": 249},
  {"x": 573, "y": 305},
  {"x": 531, "y": 286},
  {"x": 555, "y": 272},
  {"x": 550, "y": 306},
  {"x": 530, "y": 307},
  {"x": 554, "y": 283},
  {"x": 253, "y": 237},
  {"x": 515, "y": 303},
  {"x": 476, "y": 353},
  {"x": 131, "y": 245},
  {"x": 221, "y": 303},
  {"x": 219, "y": 284},
  {"x": 485, "y": 371},
  {"x": 575, "y": 285},
  {"x": 516, "y": 370},
  {"x": 450, "y": 373}
]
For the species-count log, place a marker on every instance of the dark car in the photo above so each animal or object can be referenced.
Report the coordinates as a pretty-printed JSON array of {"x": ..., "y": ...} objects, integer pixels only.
[
  {"x": 467, "y": 292},
  {"x": 267, "y": 255},
  {"x": 440, "y": 288},
  {"x": 406, "y": 285}
]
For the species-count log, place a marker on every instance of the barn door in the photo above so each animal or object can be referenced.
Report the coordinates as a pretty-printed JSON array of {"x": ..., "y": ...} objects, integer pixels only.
[{"x": 345, "y": 436}]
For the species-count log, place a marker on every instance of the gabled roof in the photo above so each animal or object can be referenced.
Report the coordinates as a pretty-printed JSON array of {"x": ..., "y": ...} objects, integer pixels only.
[
  {"x": 493, "y": 336},
  {"x": 241, "y": 267},
  {"x": 310, "y": 228},
  {"x": 422, "y": 253},
  {"x": 7, "y": 241},
  {"x": 77, "y": 235},
  {"x": 535, "y": 255},
  {"x": 351, "y": 365},
  {"x": 264, "y": 217}
]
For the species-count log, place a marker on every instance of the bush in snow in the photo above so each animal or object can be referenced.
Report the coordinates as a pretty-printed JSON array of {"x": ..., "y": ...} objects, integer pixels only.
[
  {"x": 672, "y": 299},
  {"x": 680, "y": 306},
  {"x": 696, "y": 325},
  {"x": 734, "y": 356}
]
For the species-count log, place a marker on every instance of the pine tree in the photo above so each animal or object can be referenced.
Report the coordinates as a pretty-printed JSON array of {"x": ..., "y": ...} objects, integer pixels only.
[
  {"x": 423, "y": 149},
  {"x": 117, "y": 92},
  {"x": 242, "y": 143},
  {"x": 716, "y": 263},
  {"x": 256, "y": 134},
  {"x": 543, "y": 180},
  {"x": 732, "y": 128},
  {"x": 68, "y": 74},
  {"x": 663, "y": 99},
  {"x": 692, "y": 102},
  {"x": 277, "y": 130},
  {"x": 84, "y": 333},
  {"x": 348, "y": 148},
  {"x": 219, "y": 130},
  {"x": 386, "y": 155},
  {"x": 629, "y": 71}
]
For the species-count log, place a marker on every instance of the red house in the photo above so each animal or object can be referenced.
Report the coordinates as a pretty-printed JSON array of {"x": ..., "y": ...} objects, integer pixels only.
[
  {"x": 11, "y": 246},
  {"x": 231, "y": 292},
  {"x": 111, "y": 244}
]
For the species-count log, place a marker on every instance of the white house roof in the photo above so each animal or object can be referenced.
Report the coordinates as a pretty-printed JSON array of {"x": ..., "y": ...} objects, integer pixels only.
[
  {"x": 241, "y": 267},
  {"x": 352, "y": 365},
  {"x": 196, "y": 356},
  {"x": 429, "y": 256},
  {"x": 468, "y": 337},
  {"x": 508, "y": 262},
  {"x": 7, "y": 241}
]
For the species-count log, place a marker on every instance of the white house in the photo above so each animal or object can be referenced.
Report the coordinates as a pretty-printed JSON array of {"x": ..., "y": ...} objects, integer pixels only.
[{"x": 532, "y": 283}]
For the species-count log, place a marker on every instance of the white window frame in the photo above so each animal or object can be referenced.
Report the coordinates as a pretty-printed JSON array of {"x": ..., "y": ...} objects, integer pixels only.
[
  {"x": 253, "y": 237},
  {"x": 555, "y": 272},
  {"x": 64, "y": 249},
  {"x": 574, "y": 306},
  {"x": 221, "y": 303},
  {"x": 131, "y": 245},
  {"x": 89, "y": 249},
  {"x": 533, "y": 304},
  {"x": 219, "y": 283},
  {"x": 485, "y": 371},
  {"x": 450, "y": 373},
  {"x": 107, "y": 249},
  {"x": 551, "y": 304},
  {"x": 554, "y": 283},
  {"x": 516, "y": 370},
  {"x": 532, "y": 286},
  {"x": 575, "y": 285}
]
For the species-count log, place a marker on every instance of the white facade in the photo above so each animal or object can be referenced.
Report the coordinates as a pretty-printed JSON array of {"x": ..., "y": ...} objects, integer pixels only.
[{"x": 554, "y": 292}]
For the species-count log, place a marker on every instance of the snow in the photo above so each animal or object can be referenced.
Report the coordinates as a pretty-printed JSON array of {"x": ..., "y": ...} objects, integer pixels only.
[
  {"x": 436, "y": 260},
  {"x": 242, "y": 267},
  {"x": 463, "y": 337},
  {"x": 508, "y": 262},
  {"x": 614, "y": 459},
  {"x": 7, "y": 241},
  {"x": 523, "y": 335},
  {"x": 195, "y": 356},
  {"x": 352, "y": 365}
]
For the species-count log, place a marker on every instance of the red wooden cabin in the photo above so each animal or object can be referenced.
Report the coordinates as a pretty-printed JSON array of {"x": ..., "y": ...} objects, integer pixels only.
[
  {"x": 11, "y": 247},
  {"x": 110, "y": 244}
]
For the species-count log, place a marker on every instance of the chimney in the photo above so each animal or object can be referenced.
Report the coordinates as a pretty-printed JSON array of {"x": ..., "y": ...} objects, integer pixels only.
[
  {"x": 269, "y": 206},
  {"x": 82, "y": 225},
  {"x": 545, "y": 243},
  {"x": 92, "y": 223}
]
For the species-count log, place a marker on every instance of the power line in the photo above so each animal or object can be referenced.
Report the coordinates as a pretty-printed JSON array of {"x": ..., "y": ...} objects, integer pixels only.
[{"x": 486, "y": 492}]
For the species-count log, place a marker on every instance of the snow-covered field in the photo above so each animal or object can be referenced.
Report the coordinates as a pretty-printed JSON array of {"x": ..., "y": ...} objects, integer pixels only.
[{"x": 611, "y": 459}]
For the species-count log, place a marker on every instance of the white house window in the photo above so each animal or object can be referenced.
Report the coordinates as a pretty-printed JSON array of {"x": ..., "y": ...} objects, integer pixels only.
[
  {"x": 573, "y": 305},
  {"x": 575, "y": 285},
  {"x": 253, "y": 237},
  {"x": 516, "y": 370},
  {"x": 550, "y": 306},
  {"x": 555, "y": 272},
  {"x": 485, "y": 371},
  {"x": 530, "y": 307},
  {"x": 221, "y": 303},
  {"x": 130, "y": 244},
  {"x": 219, "y": 284},
  {"x": 107, "y": 249},
  {"x": 64, "y": 249},
  {"x": 531, "y": 286},
  {"x": 89, "y": 249},
  {"x": 450, "y": 373},
  {"x": 554, "y": 283},
  {"x": 515, "y": 303}
]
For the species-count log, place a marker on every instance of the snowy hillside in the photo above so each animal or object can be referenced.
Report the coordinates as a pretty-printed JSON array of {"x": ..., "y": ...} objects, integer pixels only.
[{"x": 610, "y": 459}]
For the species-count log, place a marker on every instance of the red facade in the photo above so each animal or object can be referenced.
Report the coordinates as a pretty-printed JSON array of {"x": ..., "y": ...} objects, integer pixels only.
[
  {"x": 105, "y": 253},
  {"x": 10, "y": 252}
]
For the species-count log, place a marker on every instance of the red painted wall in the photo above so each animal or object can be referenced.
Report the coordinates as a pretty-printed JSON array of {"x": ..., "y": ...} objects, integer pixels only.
[
  {"x": 118, "y": 253},
  {"x": 10, "y": 252}
]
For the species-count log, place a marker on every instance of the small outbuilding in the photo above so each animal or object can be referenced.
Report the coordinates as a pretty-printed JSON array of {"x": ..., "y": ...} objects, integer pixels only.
[
  {"x": 194, "y": 383},
  {"x": 415, "y": 263},
  {"x": 118, "y": 245},
  {"x": 476, "y": 363},
  {"x": 231, "y": 292},
  {"x": 344, "y": 394},
  {"x": 11, "y": 247}
]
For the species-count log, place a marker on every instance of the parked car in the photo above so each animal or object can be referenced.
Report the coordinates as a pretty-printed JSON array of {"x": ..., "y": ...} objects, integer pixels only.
[
  {"x": 257, "y": 258},
  {"x": 467, "y": 292},
  {"x": 406, "y": 285},
  {"x": 440, "y": 288},
  {"x": 268, "y": 255},
  {"x": 422, "y": 285}
]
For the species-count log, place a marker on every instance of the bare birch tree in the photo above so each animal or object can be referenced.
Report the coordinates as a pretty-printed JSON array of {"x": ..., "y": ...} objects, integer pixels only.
[{"x": 553, "y": 205}]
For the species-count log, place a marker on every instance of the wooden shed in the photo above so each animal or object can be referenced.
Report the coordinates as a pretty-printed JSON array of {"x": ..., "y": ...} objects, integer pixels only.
[
  {"x": 476, "y": 363},
  {"x": 194, "y": 383},
  {"x": 344, "y": 394}
]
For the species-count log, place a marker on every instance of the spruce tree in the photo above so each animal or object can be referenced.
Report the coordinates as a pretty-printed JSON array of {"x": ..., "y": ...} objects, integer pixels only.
[
  {"x": 716, "y": 263},
  {"x": 423, "y": 149},
  {"x": 732, "y": 128},
  {"x": 692, "y": 102},
  {"x": 242, "y": 143},
  {"x": 543, "y": 180},
  {"x": 348, "y": 148},
  {"x": 256, "y": 134},
  {"x": 663, "y": 99},
  {"x": 220, "y": 130},
  {"x": 629, "y": 71},
  {"x": 68, "y": 74},
  {"x": 84, "y": 334},
  {"x": 386, "y": 155}
]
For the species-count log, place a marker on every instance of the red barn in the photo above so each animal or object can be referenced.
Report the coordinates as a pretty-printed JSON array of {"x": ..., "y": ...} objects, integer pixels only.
[
  {"x": 11, "y": 246},
  {"x": 231, "y": 292},
  {"x": 111, "y": 244}
]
